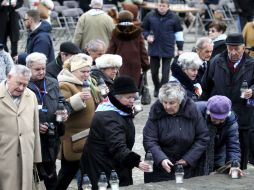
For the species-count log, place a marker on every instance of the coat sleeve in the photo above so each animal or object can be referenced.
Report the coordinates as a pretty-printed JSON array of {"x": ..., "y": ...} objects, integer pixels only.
[
  {"x": 200, "y": 142},
  {"x": 233, "y": 151},
  {"x": 115, "y": 137},
  {"x": 112, "y": 45},
  {"x": 42, "y": 44},
  {"x": 79, "y": 32},
  {"x": 146, "y": 25},
  {"x": 151, "y": 142},
  {"x": 144, "y": 55},
  {"x": 37, "y": 144}
]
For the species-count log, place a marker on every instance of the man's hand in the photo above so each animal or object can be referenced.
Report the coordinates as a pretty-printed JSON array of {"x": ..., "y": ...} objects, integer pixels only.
[
  {"x": 248, "y": 93},
  {"x": 240, "y": 172},
  {"x": 167, "y": 164},
  {"x": 182, "y": 162},
  {"x": 43, "y": 128},
  {"x": 143, "y": 166}
]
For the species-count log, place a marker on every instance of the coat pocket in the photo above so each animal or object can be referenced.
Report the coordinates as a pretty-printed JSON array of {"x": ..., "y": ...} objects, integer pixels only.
[{"x": 78, "y": 141}]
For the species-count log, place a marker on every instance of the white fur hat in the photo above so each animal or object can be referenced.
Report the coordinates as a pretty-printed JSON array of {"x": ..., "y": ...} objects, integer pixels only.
[
  {"x": 96, "y": 4},
  {"x": 109, "y": 60}
]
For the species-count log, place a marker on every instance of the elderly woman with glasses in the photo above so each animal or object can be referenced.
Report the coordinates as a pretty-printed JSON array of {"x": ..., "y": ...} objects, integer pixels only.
[
  {"x": 185, "y": 71},
  {"x": 175, "y": 133}
]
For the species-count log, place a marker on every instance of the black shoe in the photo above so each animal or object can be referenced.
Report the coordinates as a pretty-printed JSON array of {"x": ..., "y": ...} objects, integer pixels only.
[{"x": 155, "y": 93}]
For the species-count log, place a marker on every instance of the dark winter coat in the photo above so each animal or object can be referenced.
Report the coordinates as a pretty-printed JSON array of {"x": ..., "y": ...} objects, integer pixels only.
[
  {"x": 53, "y": 68},
  {"x": 9, "y": 17},
  {"x": 224, "y": 143},
  {"x": 218, "y": 47},
  {"x": 174, "y": 137},
  {"x": 184, "y": 80},
  {"x": 49, "y": 144},
  {"x": 109, "y": 145},
  {"x": 97, "y": 74},
  {"x": 164, "y": 28},
  {"x": 40, "y": 41},
  {"x": 130, "y": 38},
  {"x": 219, "y": 80}
]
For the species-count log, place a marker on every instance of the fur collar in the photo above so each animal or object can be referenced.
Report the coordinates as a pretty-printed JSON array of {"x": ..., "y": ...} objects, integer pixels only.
[{"x": 127, "y": 32}]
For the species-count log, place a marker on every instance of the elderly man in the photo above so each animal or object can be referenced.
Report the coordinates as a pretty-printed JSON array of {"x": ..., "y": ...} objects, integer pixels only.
[
  {"x": 222, "y": 123},
  {"x": 49, "y": 99},
  {"x": 67, "y": 49},
  {"x": 162, "y": 29},
  {"x": 19, "y": 131},
  {"x": 93, "y": 24},
  {"x": 204, "y": 49},
  {"x": 225, "y": 76},
  {"x": 95, "y": 48}
]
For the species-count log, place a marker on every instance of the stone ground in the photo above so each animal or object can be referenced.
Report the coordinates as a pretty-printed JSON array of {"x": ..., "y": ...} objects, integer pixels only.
[{"x": 139, "y": 120}]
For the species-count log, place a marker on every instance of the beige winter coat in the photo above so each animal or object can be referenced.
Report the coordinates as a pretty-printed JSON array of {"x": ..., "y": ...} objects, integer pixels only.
[
  {"x": 94, "y": 24},
  {"x": 19, "y": 140}
]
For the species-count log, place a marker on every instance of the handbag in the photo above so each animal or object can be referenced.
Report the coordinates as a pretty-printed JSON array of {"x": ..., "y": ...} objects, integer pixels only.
[
  {"x": 43, "y": 10},
  {"x": 78, "y": 141},
  {"x": 37, "y": 183},
  {"x": 144, "y": 90}
]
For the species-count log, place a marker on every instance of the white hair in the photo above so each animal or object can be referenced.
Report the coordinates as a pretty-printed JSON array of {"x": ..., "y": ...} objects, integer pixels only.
[
  {"x": 189, "y": 60},
  {"x": 171, "y": 91},
  {"x": 35, "y": 58},
  {"x": 20, "y": 70},
  {"x": 201, "y": 42}
]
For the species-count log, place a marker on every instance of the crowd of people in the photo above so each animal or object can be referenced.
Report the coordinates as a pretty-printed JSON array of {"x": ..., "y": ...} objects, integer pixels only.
[{"x": 79, "y": 105}]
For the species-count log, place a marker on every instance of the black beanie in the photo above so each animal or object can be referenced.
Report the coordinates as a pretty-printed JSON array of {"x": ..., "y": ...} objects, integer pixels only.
[
  {"x": 124, "y": 85},
  {"x": 70, "y": 48}
]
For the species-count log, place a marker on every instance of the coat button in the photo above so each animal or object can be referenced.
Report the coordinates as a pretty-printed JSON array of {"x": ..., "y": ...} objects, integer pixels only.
[
  {"x": 18, "y": 155},
  {"x": 20, "y": 134}
]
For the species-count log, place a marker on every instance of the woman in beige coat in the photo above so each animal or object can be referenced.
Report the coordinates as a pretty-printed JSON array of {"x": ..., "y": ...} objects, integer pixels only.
[{"x": 83, "y": 99}]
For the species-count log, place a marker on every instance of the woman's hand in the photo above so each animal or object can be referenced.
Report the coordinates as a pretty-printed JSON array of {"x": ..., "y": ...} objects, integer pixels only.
[
  {"x": 43, "y": 128},
  {"x": 182, "y": 162},
  {"x": 85, "y": 95},
  {"x": 167, "y": 164},
  {"x": 143, "y": 166}
]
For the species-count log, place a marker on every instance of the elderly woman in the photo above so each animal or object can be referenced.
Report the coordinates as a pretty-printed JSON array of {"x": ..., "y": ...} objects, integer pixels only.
[
  {"x": 107, "y": 67},
  {"x": 112, "y": 135},
  {"x": 185, "y": 71},
  {"x": 216, "y": 32},
  {"x": 78, "y": 88},
  {"x": 175, "y": 133}
]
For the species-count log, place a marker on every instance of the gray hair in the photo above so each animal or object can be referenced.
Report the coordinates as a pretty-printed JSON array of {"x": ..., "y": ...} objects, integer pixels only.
[
  {"x": 20, "y": 70},
  {"x": 93, "y": 45},
  {"x": 201, "y": 42},
  {"x": 35, "y": 58},
  {"x": 172, "y": 91},
  {"x": 189, "y": 60}
]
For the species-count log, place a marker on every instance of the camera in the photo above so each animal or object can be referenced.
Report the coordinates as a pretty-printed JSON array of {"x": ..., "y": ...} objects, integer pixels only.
[{"x": 51, "y": 129}]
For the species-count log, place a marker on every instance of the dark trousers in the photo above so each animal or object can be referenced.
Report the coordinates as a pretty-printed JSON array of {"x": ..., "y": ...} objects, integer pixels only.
[
  {"x": 251, "y": 138},
  {"x": 47, "y": 172},
  {"x": 155, "y": 66},
  {"x": 244, "y": 145},
  {"x": 66, "y": 173}
]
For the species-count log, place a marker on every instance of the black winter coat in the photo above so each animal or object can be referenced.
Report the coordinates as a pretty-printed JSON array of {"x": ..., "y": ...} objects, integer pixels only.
[
  {"x": 224, "y": 143},
  {"x": 219, "y": 80},
  {"x": 164, "y": 28},
  {"x": 97, "y": 74},
  {"x": 109, "y": 145},
  {"x": 53, "y": 68},
  {"x": 174, "y": 137},
  {"x": 49, "y": 144},
  {"x": 40, "y": 41}
]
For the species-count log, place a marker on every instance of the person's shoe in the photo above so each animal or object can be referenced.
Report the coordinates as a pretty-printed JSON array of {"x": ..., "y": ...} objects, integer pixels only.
[{"x": 155, "y": 93}]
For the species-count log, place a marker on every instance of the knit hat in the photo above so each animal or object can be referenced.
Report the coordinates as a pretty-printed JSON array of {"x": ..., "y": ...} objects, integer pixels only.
[
  {"x": 235, "y": 39},
  {"x": 125, "y": 16},
  {"x": 219, "y": 107},
  {"x": 124, "y": 85},
  {"x": 96, "y": 4},
  {"x": 108, "y": 60},
  {"x": 78, "y": 61},
  {"x": 70, "y": 48}
]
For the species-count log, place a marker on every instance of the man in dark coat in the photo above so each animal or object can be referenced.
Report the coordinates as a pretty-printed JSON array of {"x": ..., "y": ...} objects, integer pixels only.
[
  {"x": 225, "y": 76},
  {"x": 67, "y": 49},
  {"x": 39, "y": 39},
  {"x": 112, "y": 135},
  {"x": 10, "y": 24},
  {"x": 222, "y": 123},
  {"x": 48, "y": 96},
  {"x": 162, "y": 30}
]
